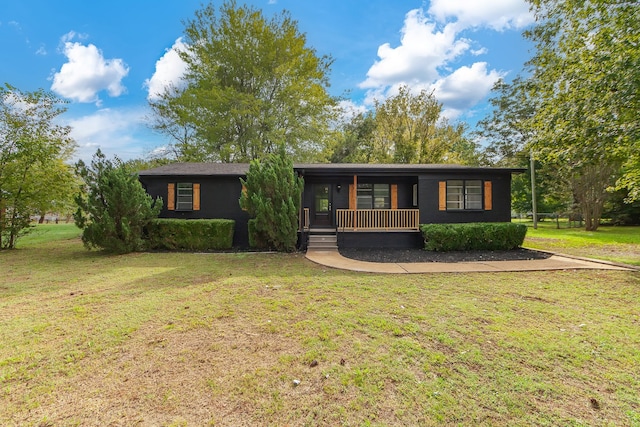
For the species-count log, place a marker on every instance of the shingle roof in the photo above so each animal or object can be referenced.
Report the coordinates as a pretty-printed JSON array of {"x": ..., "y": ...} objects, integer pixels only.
[
  {"x": 240, "y": 169},
  {"x": 199, "y": 169}
]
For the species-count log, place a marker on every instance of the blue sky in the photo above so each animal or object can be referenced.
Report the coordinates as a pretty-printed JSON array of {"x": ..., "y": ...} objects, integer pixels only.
[{"x": 108, "y": 57}]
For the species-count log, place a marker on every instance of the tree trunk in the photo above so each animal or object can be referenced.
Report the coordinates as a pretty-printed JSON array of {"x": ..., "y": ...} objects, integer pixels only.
[{"x": 590, "y": 189}]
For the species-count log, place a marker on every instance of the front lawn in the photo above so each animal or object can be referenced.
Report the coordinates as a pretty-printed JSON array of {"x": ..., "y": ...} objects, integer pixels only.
[
  {"x": 270, "y": 339},
  {"x": 617, "y": 244}
]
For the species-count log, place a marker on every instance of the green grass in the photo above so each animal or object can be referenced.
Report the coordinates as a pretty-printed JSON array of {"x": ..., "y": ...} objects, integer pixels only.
[
  {"x": 617, "y": 244},
  {"x": 43, "y": 233},
  {"x": 218, "y": 339}
]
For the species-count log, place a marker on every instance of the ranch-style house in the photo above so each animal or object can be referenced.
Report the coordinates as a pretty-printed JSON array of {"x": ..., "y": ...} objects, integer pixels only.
[{"x": 364, "y": 205}]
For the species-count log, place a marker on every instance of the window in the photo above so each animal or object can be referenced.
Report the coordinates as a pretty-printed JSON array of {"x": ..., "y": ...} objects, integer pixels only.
[
  {"x": 322, "y": 198},
  {"x": 365, "y": 196},
  {"x": 455, "y": 191},
  {"x": 473, "y": 194},
  {"x": 464, "y": 194},
  {"x": 184, "y": 197},
  {"x": 374, "y": 196}
]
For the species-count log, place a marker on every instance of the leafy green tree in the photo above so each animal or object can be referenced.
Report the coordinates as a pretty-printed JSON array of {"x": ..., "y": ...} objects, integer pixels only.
[
  {"x": 113, "y": 208},
  {"x": 271, "y": 195},
  {"x": 508, "y": 135},
  {"x": 620, "y": 211},
  {"x": 353, "y": 141},
  {"x": 55, "y": 192},
  {"x": 171, "y": 118},
  {"x": 136, "y": 165},
  {"x": 577, "y": 106},
  {"x": 251, "y": 83},
  {"x": 464, "y": 150},
  {"x": 506, "y": 130},
  {"x": 406, "y": 129},
  {"x": 553, "y": 195},
  {"x": 409, "y": 129},
  {"x": 32, "y": 148},
  {"x": 584, "y": 77}
]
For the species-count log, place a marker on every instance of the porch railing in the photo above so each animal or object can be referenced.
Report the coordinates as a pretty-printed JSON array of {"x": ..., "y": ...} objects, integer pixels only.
[{"x": 377, "y": 219}]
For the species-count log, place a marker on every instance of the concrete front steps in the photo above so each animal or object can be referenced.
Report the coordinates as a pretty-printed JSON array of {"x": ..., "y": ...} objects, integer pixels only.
[{"x": 322, "y": 239}]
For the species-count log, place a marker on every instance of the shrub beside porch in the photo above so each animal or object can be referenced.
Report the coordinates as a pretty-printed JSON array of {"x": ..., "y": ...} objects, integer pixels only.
[{"x": 473, "y": 236}]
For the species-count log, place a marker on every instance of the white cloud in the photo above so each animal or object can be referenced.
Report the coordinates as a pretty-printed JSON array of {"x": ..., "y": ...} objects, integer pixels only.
[
  {"x": 113, "y": 131},
  {"x": 169, "y": 71},
  {"x": 348, "y": 110},
  {"x": 87, "y": 72},
  {"x": 478, "y": 52},
  {"x": 495, "y": 14},
  {"x": 432, "y": 53},
  {"x": 72, "y": 35},
  {"x": 423, "y": 49},
  {"x": 465, "y": 87}
]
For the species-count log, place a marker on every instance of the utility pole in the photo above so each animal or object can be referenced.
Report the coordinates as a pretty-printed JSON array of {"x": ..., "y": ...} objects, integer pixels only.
[{"x": 533, "y": 190}]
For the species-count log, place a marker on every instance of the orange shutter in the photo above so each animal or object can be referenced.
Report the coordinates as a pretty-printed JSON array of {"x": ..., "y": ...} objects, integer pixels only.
[
  {"x": 442, "y": 195},
  {"x": 352, "y": 197},
  {"x": 488, "y": 199},
  {"x": 394, "y": 196},
  {"x": 196, "y": 197},
  {"x": 244, "y": 193},
  {"x": 171, "y": 196}
]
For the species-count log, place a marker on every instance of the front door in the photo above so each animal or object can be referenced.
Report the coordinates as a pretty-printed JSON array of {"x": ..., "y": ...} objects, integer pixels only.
[{"x": 322, "y": 205}]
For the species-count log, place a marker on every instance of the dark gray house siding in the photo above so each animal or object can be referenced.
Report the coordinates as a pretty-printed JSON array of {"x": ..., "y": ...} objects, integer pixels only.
[
  {"x": 219, "y": 196},
  {"x": 428, "y": 190}
]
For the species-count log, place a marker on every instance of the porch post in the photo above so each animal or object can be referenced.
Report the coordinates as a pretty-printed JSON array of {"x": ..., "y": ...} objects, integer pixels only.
[{"x": 355, "y": 192}]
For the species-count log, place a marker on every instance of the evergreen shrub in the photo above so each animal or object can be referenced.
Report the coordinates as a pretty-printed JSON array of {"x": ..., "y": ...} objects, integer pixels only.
[
  {"x": 271, "y": 196},
  {"x": 256, "y": 239},
  {"x": 113, "y": 208},
  {"x": 491, "y": 236}
]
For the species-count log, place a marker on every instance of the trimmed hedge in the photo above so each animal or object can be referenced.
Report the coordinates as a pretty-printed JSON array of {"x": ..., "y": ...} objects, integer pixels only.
[
  {"x": 190, "y": 234},
  {"x": 491, "y": 236}
]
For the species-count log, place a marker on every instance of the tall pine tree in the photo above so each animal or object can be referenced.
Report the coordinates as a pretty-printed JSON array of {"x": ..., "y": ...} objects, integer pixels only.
[
  {"x": 271, "y": 195},
  {"x": 115, "y": 208}
]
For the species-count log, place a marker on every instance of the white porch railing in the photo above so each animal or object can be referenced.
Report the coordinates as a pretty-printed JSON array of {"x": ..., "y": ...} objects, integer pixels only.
[{"x": 377, "y": 219}]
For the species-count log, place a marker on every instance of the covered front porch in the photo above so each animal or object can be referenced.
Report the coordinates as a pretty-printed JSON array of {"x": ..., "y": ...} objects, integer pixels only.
[
  {"x": 361, "y": 211},
  {"x": 357, "y": 203},
  {"x": 326, "y": 238}
]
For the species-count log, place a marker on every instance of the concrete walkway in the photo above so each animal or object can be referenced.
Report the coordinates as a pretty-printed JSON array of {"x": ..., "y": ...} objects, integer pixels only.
[{"x": 332, "y": 258}]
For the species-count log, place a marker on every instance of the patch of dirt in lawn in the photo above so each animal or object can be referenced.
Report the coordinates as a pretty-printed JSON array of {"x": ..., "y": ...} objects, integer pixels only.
[
  {"x": 626, "y": 251},
  {"x": 543, "y": 239},
  {"x": 419, "y": 255},
  {"x": 226, "y": 374},
  {"x": 620, "y": 253}
]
